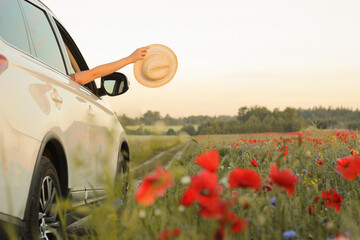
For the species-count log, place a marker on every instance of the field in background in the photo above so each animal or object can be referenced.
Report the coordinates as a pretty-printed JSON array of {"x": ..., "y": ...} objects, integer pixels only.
[
  {"x": 143, "y": 148},
  {"x": 157, "y": 129}
]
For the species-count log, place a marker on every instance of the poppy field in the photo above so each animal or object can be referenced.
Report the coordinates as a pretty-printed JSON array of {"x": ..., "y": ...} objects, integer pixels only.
[{"x": 254, "y": 186}]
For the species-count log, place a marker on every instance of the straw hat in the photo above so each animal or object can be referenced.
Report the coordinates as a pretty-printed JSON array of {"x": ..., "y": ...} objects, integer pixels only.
[{"x": 157, "y": 68}]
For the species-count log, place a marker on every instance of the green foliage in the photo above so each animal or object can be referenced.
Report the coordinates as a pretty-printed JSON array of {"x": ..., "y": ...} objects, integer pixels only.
[
  {"x": 251, "y": 120},
  {"x": 189, "y": 129}
]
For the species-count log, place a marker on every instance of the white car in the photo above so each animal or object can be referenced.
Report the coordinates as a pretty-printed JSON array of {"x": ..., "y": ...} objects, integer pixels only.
[{"x": 56, "y": 136}]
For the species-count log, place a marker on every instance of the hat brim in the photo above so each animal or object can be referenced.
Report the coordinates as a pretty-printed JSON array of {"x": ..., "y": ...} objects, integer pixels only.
[{"x": 156, "y": 49}]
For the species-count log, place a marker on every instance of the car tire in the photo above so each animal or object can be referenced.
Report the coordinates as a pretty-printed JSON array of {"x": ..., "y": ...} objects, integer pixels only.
[
  {"x": 43, "y": 220},
  {"x": 122, "y": 178}
]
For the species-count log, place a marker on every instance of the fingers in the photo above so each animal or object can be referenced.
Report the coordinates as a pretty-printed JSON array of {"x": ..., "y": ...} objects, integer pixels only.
[{"x": 143, "y": 52}]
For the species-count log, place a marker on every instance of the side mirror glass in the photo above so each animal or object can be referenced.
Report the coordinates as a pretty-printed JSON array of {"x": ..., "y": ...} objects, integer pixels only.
[{"x": 113, "y": 84}]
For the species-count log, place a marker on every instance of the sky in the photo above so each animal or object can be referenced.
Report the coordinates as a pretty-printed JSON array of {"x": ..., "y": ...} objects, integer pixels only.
[{"x": 231, "y": 53}]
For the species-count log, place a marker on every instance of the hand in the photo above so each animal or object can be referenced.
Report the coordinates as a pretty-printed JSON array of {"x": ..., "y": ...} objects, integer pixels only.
[{"x": 138, "y": 54}]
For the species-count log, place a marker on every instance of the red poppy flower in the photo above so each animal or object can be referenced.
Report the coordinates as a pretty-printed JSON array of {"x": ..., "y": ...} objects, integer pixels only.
[
  {"x": 284, "y": 178},
  {"x": 203, "y": 188},
  {"x": 153, "y": 185},
  {"x": 237, "y": 224},
  {"x": 333, "y": 198},
  {"x": 319, "y": 162},
  {"x": 285, "y": 150},
  {"x": 168, "y": 234},
  {"x": 254, "y": 163},
  {"x": 209, "y": 160},
  {"x": 244, "y": 178},
  {"x": 342, "y": 236},
  {"x": 349, "y": 167},
  {"x": 240, "y": 225},
  {"x": 311, "y": 208},
  {"x": 211, "y": 206}
]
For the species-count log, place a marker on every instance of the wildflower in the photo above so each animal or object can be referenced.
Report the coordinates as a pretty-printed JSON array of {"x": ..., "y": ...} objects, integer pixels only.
[
  {"x": 239, "y": 225},
  {"x": 273, "y": 201},
  {"x": 349, "y": 167},
  {"x": 168, "y": 234},
  {"x": 118, "y": 202},
  {"x": 319, "y": 162},
  {"x": 209, "y": 160},
  {"x": 206, "y": 192},
  {"x": 185, "y": 180},
  {"x": 333, "y": 199},
  {"x": 181, "y": 208},
  {"x": 245, "y": 178},
  {"x": 289, "y": 234},
  {"x": 254, "y": 163},
  {"x": 283, "y": 178},
  {"x": 204, "y": 182},
  {"x": 152, "y": 186},
  {"x": 142, "y": 213},
  {"x": 311, "y": 209},
  {"x": 354, "y": 152},
  {"x": 244, "y": 202},
  {"x": 157, "y": 212},
  {"x": 308, "y": 154},
  {"x": 344, "y": 236},
  {"x": 285, "y": 150},
  {"x": 268, "y": 187}
]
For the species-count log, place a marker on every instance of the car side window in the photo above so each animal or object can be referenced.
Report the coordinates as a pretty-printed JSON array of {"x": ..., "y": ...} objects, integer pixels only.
[
  {"x": 42, "y": 35},
  {"x": 76, "y": 59},
  {"x": 12, "y": 26}
]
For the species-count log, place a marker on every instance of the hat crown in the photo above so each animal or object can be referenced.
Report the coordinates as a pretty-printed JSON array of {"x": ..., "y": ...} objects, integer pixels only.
[{"x": 156, "y": 67}]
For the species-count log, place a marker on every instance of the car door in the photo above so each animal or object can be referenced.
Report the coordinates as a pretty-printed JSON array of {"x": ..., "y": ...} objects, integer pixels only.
[
  {"x": 104, "y": 141},
  {"x": 101, "y": 126},
  {"x": 70, "y": 98}
]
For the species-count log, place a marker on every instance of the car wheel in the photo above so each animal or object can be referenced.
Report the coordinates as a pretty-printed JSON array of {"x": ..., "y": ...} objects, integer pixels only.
[
  {"x": 122, "y": 177},
  {"x": 43, "y": 220}
]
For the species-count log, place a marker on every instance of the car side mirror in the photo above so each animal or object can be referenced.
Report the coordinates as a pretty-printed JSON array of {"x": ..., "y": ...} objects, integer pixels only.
[{"x": 113, "y": 84}]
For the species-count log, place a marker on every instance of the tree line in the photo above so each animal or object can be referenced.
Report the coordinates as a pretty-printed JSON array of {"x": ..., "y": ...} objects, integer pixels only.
[{"x": 255, "y": 119}]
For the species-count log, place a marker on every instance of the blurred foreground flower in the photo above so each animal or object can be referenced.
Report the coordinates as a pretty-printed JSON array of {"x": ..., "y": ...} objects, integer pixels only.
[
  {"x": 209, "y": 160},
  {"x": 285, "y": 179},
  {"x": 153, "y": 185},
  {"x": 289, "y": 234},
  {"x": 348, "y": 167},
  {"x": 168, "y": 234},
  {"x": 244, "y": 178}
]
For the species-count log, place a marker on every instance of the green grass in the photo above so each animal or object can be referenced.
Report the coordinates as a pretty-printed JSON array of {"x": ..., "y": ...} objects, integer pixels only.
[{"x": 143, "y": 148}]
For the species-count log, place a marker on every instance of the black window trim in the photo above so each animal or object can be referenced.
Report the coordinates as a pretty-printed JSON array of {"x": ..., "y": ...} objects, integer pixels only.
[{"x": 91, "y": 86}]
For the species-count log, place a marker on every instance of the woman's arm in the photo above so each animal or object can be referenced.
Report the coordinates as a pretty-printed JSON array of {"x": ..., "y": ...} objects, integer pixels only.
[{"x": 87, "y": 76}]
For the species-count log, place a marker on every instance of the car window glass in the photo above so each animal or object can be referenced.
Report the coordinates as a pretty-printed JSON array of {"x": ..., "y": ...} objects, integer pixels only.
[
  {"x": 46, "y": 46},
  {"x": 12, "y": 27}
]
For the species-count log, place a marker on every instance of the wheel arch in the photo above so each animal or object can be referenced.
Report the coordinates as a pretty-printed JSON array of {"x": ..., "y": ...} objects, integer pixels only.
[
  {"x": 125, "y": 151},
  {"x": 52, "y": 148}
]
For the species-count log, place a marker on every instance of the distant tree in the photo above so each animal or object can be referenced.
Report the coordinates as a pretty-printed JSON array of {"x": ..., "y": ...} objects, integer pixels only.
[
  {"x": 150, "y": 117},
  {"x": 189, "y": 129},
  {"x": 126, "y": 121},
  {"x": 171, "y": 132}
]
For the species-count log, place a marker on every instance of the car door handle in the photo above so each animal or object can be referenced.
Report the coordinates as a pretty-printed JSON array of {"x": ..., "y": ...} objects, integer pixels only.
[
  {"x": 56, "y": 97},
  {"x": 91, "y": 111}
]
